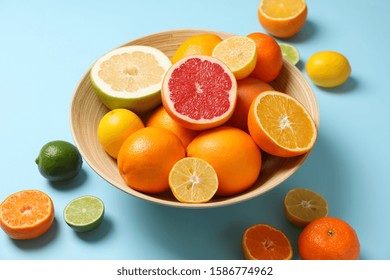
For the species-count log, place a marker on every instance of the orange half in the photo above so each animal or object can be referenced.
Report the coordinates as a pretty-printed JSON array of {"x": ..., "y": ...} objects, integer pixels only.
[
  {"x": 282, "y": 18},
  {"x": 26, "y": 214},
  {"x": 264, "y": 242},
  {"x": 280, "y": 125}
]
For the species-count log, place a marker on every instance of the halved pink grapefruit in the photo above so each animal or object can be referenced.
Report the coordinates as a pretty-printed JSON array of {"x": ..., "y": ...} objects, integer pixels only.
[{"x": 199, "y": 92}]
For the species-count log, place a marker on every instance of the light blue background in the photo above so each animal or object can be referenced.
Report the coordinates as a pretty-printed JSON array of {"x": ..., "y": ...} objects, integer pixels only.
[{"x": 46, "y": 47}]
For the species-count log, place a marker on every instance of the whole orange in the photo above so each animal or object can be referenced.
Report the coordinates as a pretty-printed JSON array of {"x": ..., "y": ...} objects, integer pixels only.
[
  {"x": 247, "y": 90},
  {"x": 328, "y": 238},
  {"x": 232, "y": 153},
  {"x": 269, "y": 57},
  {"x": 146, "y": 158},
  {"x": 199, "y": 44},
  {"x": 160, "y": 118}
]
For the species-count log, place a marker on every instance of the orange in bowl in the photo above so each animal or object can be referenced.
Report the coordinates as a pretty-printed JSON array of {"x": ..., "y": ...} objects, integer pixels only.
[
  {"x": 87, "y": 110},
  {"x": 282, "y": 18}
]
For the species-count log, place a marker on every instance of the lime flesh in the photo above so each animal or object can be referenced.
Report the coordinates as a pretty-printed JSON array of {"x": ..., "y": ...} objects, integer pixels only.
[
  {"x": 84, "y": 213},
  {"x": 290, "y": 53}
]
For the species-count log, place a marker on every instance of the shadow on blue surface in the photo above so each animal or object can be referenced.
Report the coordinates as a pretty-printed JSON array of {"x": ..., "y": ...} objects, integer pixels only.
[
  {"x": 309, "y": 30},
  {"x": 39, "y": 242},
  {"x": 98, "y": 233},
  {"x": 71, "y": 184},
  {"x": 348, "y": 86}
]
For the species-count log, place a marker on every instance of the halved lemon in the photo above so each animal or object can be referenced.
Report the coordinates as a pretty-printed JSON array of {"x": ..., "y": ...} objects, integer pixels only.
[
  {"x": 130, "y": 77},
  {"x": 239, "y": 53},
  {"x": 193, "y": 180}
]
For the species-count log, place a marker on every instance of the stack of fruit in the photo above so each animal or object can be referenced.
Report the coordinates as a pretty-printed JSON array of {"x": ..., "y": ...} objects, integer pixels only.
[{"x": 197, "y": 123}]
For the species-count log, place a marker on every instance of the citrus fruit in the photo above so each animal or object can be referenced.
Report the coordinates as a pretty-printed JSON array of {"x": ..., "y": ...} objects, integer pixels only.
[
  {"x": 282, "y": 18},
  {"x": 328, "y": 68},
  {"x": 280, "y": 125},
  {"x": 328, "y": 238},
  {"x": 198, "y": 44},
  {"x": 115, "y": 127},
  {"x": 290, "y": 53},
  {"x": 303, "y": 206},
  {"x": 239, "y": 53},
  {"x": 247, "y": 90},
  {"x": 265, "y": 242},
  {"x": 59, "y": 160},
  {"x": 84, "y": 213},
  {"x": 26, "y": 214},
  {"x": 160, "y": 118},
  {"x": 130, "y": 77},
  {"x": 193, "y": 180},
  {"x": 269, "y": 57},
  {"x": 199, "y": 92},
  {"x": 146, "y": 158},
  {"x": 232, "y": 153}
]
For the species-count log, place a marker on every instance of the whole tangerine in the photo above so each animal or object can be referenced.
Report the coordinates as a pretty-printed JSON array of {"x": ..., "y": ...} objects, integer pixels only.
[
  {"x": 269, "y": 57},
  {"x": 328, "y": 238},
  {"x": 232, "y": 153},
  {"x": 146, "y": 158}
]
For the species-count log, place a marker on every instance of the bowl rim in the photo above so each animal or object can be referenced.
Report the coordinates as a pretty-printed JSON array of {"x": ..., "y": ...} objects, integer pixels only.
[{"x": 219, "y": 202}]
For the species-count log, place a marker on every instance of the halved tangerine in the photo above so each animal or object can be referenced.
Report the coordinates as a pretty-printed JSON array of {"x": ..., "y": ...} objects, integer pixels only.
[
  {"x": 26, "y": 214},
  {"x": 199, "y": 92}
]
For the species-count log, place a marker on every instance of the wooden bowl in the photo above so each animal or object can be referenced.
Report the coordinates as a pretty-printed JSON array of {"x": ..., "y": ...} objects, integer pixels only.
[{"x": 87, "y": 110}]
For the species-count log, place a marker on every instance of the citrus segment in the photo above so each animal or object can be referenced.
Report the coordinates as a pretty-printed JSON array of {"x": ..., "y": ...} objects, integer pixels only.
[
  {"x": 84, "y": 213},
  {"x": 232, "y": 153},
  {"x": 282, "y": 18},
  {"x": 269, "y": 57},
  {"x": 193, "y": 180},
  {"x": 130, "y": 77},
  {"x": 328, "y": 238},
  {"x": 115, "y": 127},
  {"x": 280, "y": 125},
  {"x": 199, "y": 44},
  {"x": 290, "y": 53},
  {"x": 303, "y": 206},
  {"x": 328, "y": 68},
  {"x": 264, "y": 242},
  {"x": 146, "y": 158},
  {"x": 160, "y": 118},
  {"x": 239, "y": 53},
  {"x": 199, "y": 92},
  {"x": 26, "y": 214}
]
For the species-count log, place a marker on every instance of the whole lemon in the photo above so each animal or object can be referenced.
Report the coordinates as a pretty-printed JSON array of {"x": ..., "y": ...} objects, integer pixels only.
[
  {"x": 328, "y": 68},
  {"x": 114, "y": 128}
]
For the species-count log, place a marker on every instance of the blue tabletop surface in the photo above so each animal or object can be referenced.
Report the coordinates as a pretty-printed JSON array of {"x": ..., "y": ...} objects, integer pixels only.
[{"x": 46, "y": 47}]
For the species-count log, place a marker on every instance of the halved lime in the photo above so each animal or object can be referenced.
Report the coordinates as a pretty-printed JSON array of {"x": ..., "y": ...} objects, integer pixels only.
[
  {"x": 290, "y": 53},
  {"x": 84, "y": 213}
]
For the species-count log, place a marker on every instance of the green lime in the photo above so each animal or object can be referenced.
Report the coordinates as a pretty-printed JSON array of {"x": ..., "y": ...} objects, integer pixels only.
[
  {"x": 84, "y": 213},
  {"x": 59, "y": 160},
  {"x": 290, "y": 53}
]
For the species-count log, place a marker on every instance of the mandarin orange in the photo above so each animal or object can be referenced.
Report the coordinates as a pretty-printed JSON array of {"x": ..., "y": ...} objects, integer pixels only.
[
  {"x": 160, "y": 118},
  {"x": 146, "y": 158},
  {"x": 247, "y": 90},
  {"x": 328, "y": 238},
  {"x": 282, "y": 18},
  {"x": 232, "y": 153},
  {"x": 26, "y": 214},
  {"x": 265, "y": 242},
  {"x": 269, "y": 57}
]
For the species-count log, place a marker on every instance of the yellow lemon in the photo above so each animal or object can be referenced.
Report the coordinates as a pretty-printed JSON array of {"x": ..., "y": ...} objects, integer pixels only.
[
  {"x": 328, "y": 68},
  {"x": 115, "y": 127}
]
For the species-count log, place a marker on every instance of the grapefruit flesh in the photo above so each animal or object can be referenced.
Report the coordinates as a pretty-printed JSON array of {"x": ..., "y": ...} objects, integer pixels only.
[{"x": 199, "y": 92}]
